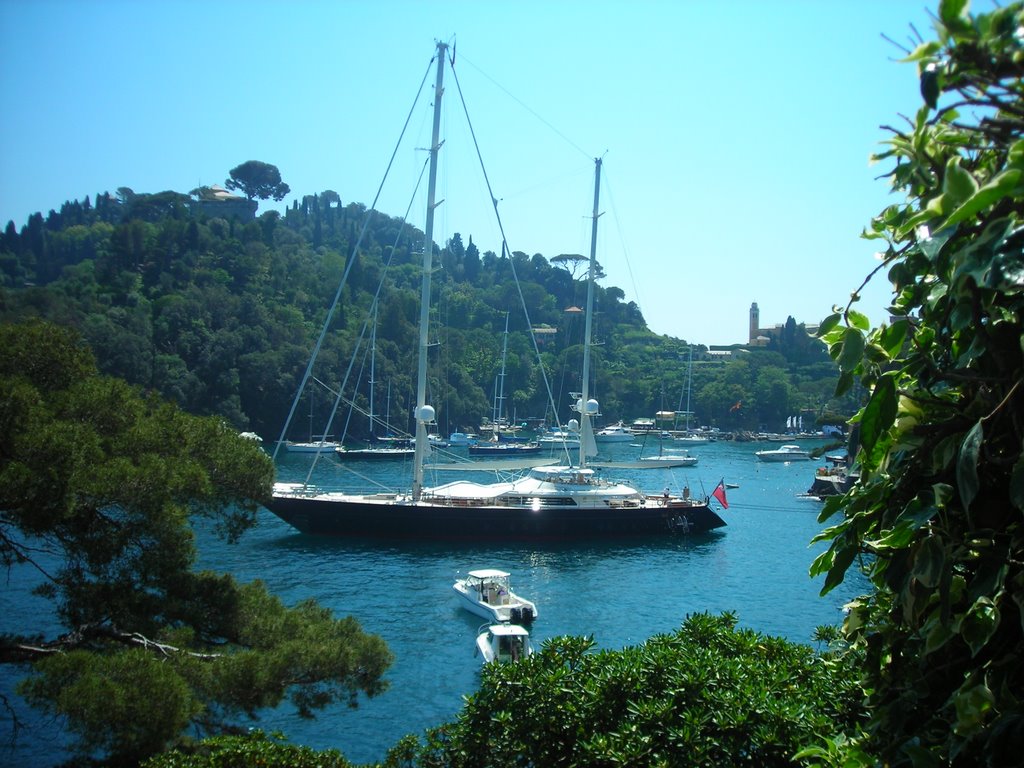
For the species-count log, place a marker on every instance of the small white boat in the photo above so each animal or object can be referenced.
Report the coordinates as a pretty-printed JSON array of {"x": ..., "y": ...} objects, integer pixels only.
[
  {"x": 785, "y": 453},
  {"x": 664, "y": 461},
  {"x": 614, "y": 434},
  {"x": 503, "y": 643},
  {"x": 313, "y": 446},
  {"x": 566, "y": 436},
  {"x": 488, "y": 594},
  {"x": 691, "y": 438}
]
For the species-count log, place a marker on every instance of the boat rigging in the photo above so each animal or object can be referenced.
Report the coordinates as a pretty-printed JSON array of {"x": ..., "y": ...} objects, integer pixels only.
[{"x": 564, "y": 501}]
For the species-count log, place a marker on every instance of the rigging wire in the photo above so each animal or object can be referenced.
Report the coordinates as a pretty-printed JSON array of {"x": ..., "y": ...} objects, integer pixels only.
[
  {"x": 622, "y": 242},
  {"x": 504, "y": 243},
  {"x": 344, "y": 277},
  {"x": 521, "y": 103},
  {"x": 366, "y": 322}
]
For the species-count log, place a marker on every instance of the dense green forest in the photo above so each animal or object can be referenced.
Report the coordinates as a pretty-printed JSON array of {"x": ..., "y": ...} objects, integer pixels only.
[{"x": 220, "y": 315}]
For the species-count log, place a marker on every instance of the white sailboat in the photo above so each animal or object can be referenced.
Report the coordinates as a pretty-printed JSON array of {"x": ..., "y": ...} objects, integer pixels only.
[
  {"x": 379, "y": 448},
  {"x": 316, "y": 443},
  {"x": 551, "y": 502},
  {"x": 688, "y": 437}
]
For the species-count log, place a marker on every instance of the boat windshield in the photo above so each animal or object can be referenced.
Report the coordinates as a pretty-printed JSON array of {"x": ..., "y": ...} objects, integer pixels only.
[{"x": 569, "y": 475}]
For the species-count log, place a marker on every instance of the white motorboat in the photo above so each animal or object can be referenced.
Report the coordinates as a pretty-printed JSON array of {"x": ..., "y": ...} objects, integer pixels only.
[
  {"x": 691, "y": 438},
  {"x": 503, "y": 643},
  {"x": 617, "y": 433},
  {"x": 785, "y": 453},
  {"x": 568, "y": 436},
  {"x": 488, "y": 593},
  {"x": 456, "y": 439}
]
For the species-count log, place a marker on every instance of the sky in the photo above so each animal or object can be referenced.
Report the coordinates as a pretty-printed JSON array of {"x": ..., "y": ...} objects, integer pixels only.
[{"x": 735, "y": 137}]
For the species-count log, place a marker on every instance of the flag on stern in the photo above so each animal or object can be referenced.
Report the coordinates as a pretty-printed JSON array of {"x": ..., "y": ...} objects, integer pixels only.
[{"x": 719, "y": 493}]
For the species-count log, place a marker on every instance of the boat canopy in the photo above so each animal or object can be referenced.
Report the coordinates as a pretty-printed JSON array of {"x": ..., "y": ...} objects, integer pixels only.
[
  {"x": 488, "y": 573},
  {"x": 507, "y": 630},
  {"x": 562, "y": 474}
]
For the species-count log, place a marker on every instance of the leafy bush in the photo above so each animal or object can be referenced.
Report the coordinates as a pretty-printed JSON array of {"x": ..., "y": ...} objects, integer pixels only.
[
  {"x": 936, "y": 519},
  {"x": 253, "y": 749},
  {"x": 707, "y": 695}
]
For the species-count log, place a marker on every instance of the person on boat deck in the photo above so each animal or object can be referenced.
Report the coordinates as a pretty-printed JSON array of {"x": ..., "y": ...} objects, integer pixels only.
[
  {"x": 665, "y": 494},
  {"x": 686, "y": 491}
]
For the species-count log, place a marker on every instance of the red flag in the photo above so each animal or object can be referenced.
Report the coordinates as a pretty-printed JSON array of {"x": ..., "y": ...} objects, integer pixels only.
[{"x": 719, "y": 493}]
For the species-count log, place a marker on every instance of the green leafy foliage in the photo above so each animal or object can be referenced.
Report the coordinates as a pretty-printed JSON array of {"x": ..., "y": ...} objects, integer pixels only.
[
  {"x": 253, "y": 749},
  {"x": 936, "y": 520},
  {"x": 707, "y": 695},
  {"x": 104, "y": 483},
  {"x": 257, "y": 179},
  {"x": 220, "y": 316}
]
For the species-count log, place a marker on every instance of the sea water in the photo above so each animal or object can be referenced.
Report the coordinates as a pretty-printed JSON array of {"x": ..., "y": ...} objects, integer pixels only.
[{"x": 619, "y": 593}]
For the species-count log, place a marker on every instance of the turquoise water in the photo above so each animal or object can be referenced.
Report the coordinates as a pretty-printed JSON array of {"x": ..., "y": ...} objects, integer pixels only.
[{"x": 619, "y": 594}]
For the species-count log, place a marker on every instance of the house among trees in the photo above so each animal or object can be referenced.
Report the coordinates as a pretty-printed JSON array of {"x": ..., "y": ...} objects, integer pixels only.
[{"x": 216, "y": 202}]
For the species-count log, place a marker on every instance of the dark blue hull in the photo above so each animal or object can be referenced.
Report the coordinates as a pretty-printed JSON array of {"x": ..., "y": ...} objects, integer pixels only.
[{"x": 405, "y": 520}]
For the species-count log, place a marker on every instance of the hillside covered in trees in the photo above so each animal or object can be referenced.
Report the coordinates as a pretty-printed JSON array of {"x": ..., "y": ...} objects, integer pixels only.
[{"x": 219, "y": 314}]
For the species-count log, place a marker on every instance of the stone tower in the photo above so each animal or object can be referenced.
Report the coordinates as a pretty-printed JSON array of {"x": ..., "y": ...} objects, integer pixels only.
[{"x": 755, "y": 322}]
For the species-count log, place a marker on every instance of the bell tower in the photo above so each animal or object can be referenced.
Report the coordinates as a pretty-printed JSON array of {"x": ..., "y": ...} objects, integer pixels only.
[{"x": 755, "y": 322}]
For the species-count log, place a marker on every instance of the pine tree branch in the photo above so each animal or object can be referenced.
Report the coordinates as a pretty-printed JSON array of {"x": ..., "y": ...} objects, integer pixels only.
[{"x": 15, "y": 651}]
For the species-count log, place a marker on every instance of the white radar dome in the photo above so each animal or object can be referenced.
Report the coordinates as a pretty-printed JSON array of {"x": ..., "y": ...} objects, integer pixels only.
[
  {"x": 592, "y": 407},
  {"x": 426, "y": 414}
]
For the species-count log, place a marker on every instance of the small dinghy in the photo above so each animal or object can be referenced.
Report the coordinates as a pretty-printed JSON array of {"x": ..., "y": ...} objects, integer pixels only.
[
  {"x": 503, "y": 643},
  {"x": 488, "y": 594}
]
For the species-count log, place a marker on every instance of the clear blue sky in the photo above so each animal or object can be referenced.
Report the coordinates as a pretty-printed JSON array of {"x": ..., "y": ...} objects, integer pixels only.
[{"x": 735, "y": 135}]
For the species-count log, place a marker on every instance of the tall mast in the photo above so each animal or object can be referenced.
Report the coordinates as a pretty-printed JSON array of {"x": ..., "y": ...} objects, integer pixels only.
[
  {"x": 373, "y": 365},
  {"x": 586, "y": 428},
  {"x": 424, "y": 413},
  {"x": 689, "y": 383},
  {"x": 499, "y": 394}
]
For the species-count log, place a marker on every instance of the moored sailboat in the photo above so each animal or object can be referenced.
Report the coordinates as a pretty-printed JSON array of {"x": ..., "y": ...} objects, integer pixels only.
[{"x": 549, "y": 502}]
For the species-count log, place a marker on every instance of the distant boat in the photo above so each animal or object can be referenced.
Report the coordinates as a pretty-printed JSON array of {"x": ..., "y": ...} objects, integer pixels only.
[
  {"x": 691, "y": 438},
  {"x": 785, "y": 453},
  {"x": 314, "y": 446},
  {"x": 505, "y": 449},
  {"x": 688, "y": 437},
  {"x": 832, "y": 480},
  {"x": 503, "y": 643},
  {"x": 570, "y": 435},
  {"x": 617, "y": 433},
  {"x": 376, "y": 453},
  {"x": 388, "y": 447},
  {"x": 665, "y": 461},
  {"x": 488, "y": 594}
]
